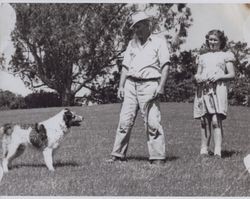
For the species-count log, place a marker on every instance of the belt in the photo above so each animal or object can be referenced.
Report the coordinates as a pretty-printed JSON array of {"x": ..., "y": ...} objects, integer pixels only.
[{"x": 135, "y": 79}]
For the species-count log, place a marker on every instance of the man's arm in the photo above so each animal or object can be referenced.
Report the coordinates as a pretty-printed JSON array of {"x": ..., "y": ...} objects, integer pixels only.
[
  {"x": 198, "y": 74},
  {"x": 123, "y": 77},
  {"x": 164, "y": 75}
]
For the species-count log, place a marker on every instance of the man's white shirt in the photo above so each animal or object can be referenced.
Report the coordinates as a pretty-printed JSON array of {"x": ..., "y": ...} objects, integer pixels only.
[{"x": 146, "y": 61}]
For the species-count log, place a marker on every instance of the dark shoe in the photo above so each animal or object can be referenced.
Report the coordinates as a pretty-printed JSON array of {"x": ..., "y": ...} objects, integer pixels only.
[
  {"x": 116, "y": 159},
  {"x": 157, "y": 162}
]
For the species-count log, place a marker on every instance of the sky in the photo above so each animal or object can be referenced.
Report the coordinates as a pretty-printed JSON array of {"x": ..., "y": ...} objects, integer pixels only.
[
  {"x": 7, "y": 21},
  {"x": 233, "y": 19}
]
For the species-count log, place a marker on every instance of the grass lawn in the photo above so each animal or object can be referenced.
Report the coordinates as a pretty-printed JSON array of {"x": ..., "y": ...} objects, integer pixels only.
[{"x": 81, "y": 169}]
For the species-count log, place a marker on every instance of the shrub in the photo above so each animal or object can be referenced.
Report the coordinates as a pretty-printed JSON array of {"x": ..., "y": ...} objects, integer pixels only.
[
  {"x": 42, "y": 99},
  {"x": 9, "y": 100}
]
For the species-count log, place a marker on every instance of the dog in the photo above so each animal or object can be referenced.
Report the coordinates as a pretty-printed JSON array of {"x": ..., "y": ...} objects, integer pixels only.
[{"x": 45, "y": 136}]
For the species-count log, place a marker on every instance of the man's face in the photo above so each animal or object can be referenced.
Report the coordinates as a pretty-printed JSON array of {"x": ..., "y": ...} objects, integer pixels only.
[{"x": 141, "y": 28}]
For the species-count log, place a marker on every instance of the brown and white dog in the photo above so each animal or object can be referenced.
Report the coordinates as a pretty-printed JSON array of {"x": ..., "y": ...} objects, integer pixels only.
[{"x": 45, "y": 136}]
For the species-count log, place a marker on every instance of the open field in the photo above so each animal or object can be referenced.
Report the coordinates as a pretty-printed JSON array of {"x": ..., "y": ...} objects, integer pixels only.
[{"x": 81, "y": 169}]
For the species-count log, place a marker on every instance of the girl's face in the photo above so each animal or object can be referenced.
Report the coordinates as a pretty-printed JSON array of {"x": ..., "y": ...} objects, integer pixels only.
[{"x": 214, "y": 42}]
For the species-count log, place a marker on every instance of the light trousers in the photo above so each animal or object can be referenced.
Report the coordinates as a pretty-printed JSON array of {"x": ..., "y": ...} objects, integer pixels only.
[{"x": 137, "y": 94}]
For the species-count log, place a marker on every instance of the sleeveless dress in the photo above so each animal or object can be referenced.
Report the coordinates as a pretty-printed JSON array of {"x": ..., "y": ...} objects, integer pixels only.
[{"x": 211, "y": 98}]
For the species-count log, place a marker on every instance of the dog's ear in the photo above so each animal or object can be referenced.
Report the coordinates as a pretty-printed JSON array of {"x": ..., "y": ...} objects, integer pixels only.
[
  {"x": 36, "y": 127},
  {"x": 38, "y": 136},
  {"x": 7, "y": 129},
  {"x": 41, "y": 128},
  {"x": 42, "y": 131},
  {"x": 67, "y": 117}
]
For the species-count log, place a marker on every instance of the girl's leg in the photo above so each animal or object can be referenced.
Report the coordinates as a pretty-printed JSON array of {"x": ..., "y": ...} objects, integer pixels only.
[
  {"x": 217, "y": 129},
  {"x": 205, "y": 134}
]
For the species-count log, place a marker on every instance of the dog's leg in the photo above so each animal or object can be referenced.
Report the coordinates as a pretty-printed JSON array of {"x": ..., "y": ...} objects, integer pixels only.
[
  {"x": 19, "y": 151},
  {"x": 9, "y": 156},
  {"x": 47, "y": 154},
  {"x": 5, "y": 165},
  {"x": 5, "y": 162},
  {"x": 5, "y": 145}
]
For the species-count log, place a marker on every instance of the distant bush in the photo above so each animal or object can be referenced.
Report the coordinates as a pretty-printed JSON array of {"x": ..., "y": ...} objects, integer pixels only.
[
  {"x": 9, "y": 100},
  {"x": 180, "y": 86},
  {"x": 239, "y": 92},
  {"x": 105, "y": 94},
  {"x": 42, "y": 99}
]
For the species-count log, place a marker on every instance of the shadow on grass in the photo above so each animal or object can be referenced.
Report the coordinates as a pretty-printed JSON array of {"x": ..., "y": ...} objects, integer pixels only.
[
  {"x": 56, "y": 165},
  {"x": 140, "y": 158},
  {"x": 171, "y": 158},
  {"x": 228, "y": 154}
]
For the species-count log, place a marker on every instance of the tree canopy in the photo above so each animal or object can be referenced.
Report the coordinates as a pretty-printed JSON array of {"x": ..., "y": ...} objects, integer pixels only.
[{"x": 67, "y": 47}]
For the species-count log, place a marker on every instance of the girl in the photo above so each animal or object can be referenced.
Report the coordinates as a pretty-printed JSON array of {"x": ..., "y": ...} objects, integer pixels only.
[{"x": 215, "y": 68}]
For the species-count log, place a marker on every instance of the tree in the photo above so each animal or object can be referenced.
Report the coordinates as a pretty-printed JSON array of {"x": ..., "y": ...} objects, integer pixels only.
[
  {"x": 2, "y": 61},
  {"x": 173, "y": 21},
  {"x": 9, "y": 100},
  {"x": 240, "y": 88},
  {"x": 67, "y": 47},
  {"x": 42, "y": 99},
  {"x": 180, "y": 86}
]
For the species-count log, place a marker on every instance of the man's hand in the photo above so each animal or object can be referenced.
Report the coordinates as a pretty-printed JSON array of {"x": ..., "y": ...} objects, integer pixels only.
[
  {"x": 120, "y": 93},
  {"x": 159, "y": 92},
  {"x": 198, "y": 78}
]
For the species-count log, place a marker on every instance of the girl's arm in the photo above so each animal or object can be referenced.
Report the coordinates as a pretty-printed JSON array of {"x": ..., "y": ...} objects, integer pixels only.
[
  {"x": 197, "y": 76},
  {"x": 227, "y": 76}
]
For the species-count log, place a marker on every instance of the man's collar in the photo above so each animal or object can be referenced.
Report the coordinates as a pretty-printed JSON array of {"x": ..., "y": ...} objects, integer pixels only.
[{"x": 148, "y": 39}]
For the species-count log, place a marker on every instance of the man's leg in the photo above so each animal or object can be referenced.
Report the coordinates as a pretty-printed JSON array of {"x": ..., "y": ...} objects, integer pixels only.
[
  {"x": 152, "y": 119},
  {"x": 156, "y": 136},
  {"x": 126, "y": 122}
]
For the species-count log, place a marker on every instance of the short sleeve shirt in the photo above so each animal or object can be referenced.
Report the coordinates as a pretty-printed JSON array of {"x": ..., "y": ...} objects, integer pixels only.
[
  {"x": 214, "y": 62},
  {"x": 146, "y": 61}
]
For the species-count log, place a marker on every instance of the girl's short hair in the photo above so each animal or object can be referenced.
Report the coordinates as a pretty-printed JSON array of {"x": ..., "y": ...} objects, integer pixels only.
[{"x": 220, "y": 35}]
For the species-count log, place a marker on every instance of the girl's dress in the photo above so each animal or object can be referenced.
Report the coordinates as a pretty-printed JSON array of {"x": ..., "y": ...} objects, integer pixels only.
[{"x": 212, "y": 97}]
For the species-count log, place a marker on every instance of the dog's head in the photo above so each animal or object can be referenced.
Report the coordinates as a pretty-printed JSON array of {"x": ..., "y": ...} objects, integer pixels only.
[
  {"x": 71, "y": 119},
  {"x": 6, "y": 129}
]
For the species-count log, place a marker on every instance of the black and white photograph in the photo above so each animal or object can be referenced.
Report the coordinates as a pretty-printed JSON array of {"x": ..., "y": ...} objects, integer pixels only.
[{"x": 120, "y": 98}]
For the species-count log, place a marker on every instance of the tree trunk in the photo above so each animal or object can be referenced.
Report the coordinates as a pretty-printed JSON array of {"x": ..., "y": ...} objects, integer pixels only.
[{"x": 67, "y": 97}]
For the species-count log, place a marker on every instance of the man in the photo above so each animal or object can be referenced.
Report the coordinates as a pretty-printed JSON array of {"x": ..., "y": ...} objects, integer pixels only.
[{"x": 143, "y": 76}]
